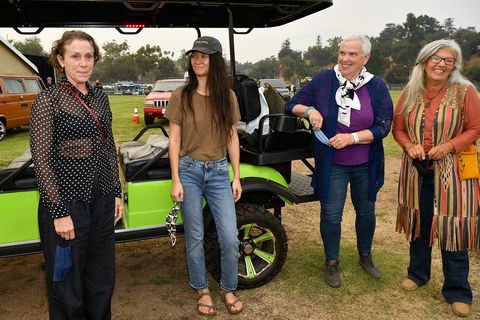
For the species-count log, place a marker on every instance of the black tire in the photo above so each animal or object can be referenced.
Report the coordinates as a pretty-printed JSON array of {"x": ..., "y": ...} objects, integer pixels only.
[
  {"x": 148, "y": 120},
  {"x": 3, "y": 131},
  {"x": 257, "y": 222}
]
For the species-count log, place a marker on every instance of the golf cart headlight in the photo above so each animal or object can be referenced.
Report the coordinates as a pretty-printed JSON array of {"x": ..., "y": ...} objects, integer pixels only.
[{"x": 148, "y": 103}]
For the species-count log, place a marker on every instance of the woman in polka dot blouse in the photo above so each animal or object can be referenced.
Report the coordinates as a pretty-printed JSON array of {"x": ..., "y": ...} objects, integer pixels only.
[{"x": 75, "y": 161}]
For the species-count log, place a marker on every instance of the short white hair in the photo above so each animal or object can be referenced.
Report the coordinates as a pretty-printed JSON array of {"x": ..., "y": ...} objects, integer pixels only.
[{"x": 366, "y": 45}]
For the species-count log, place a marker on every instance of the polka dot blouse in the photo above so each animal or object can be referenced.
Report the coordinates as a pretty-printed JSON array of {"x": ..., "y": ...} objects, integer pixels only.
[{"x": 68, "y": 152}]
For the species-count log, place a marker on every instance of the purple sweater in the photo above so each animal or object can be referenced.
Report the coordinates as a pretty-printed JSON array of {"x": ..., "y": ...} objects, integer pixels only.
[{"x": 359, "y": 120}]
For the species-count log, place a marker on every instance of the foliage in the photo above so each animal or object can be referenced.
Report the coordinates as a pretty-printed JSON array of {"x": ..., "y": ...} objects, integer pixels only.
[
  {"x": 30, "y": 46},
  {"x": 393, "y": 55}
]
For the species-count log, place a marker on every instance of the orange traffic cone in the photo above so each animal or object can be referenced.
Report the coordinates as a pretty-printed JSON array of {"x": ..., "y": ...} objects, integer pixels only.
[{"x": 136, "y": 119}]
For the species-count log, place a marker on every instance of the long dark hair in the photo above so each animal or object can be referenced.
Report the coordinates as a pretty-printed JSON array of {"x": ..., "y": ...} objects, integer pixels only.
[{"x": 218, "y": 86}]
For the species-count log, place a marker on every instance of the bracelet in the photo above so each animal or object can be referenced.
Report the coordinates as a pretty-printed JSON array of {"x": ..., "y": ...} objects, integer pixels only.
[
  {"x": 356, "y": 139},
  {"x": 305, "y": 113}
]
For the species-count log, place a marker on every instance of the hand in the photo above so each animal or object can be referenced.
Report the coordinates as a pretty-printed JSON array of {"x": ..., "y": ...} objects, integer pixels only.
[
  {"x": 236, "y": 189},
  {"x": 64, "y": 227},
  {"x": 118, "y": 210},
  {"x": 177, "y": 191},
  {"x": 415, "y": 151},
  {"x": 441, "y": 151},
  {"x": 315, "y": 119},
  {"x": 341, "y": 140}
]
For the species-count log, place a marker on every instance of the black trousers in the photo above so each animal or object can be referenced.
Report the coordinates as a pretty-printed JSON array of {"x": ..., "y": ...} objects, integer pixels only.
[{"x": 87, "y": 292}]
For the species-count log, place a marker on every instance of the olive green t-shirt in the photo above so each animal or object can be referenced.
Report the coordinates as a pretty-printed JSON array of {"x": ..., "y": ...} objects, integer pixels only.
[{"x": 200, "y": 140}]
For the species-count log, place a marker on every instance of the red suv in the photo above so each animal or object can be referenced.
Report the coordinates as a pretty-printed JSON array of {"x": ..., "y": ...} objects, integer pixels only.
[{"x": 156, "y": 102}]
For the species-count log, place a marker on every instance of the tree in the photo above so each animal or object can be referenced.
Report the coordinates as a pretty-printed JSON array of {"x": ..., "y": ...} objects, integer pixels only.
[
  {"x": 473, "y": 73},
  {"x": 469, "y": 41},
  {"x": 182, "y": 61},
  {"x": 291, "y": 63},
  {"x": 266, "y": 69},
  {"x": 377, "y": 62},
  {"x": 30, "y": 46},
  {"x": 166, "y": 68},
  {"x": 146, "y": 60},
  {"x": 391, "y": 34}
]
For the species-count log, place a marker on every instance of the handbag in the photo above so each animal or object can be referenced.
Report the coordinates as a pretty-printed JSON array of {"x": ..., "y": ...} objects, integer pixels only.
[{"x": 468, "y": 160}]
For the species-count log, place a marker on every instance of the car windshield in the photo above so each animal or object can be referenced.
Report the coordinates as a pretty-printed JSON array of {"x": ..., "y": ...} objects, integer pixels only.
[
  {"x": 276, "y": 83},
  {"x": 167, "y": 86}
]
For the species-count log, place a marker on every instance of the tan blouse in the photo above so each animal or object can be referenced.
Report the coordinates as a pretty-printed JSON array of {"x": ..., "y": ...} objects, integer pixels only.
[{"x": 200, "y": 140}]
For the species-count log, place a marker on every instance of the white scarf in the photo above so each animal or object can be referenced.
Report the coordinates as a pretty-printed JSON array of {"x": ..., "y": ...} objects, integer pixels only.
[{"x": 346, "y": 96}]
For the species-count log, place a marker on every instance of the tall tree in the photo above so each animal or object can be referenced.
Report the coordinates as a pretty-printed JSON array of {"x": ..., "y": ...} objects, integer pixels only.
[{"x": 30, "y": 46}]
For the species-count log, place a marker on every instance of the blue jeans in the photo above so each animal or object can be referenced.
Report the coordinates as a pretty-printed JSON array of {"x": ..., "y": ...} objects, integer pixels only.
[
  {"x": 331, "y": 210},
  {"x": 455, "y": 263},
  {"x": 209, "y": 180}
]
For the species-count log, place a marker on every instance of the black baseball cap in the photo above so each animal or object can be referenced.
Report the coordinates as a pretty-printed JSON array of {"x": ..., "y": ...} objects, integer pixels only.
[{"x": 206, "y": 44}]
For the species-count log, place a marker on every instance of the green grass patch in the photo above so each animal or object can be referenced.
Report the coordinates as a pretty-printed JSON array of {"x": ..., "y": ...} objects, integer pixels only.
[{"x": 159, "y": 280}]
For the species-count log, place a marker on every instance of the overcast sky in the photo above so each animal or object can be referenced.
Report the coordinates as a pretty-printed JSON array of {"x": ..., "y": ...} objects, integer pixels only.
[{"x": 343, "y": 18}]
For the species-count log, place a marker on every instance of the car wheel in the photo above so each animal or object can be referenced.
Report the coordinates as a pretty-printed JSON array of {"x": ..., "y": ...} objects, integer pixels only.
[
  {"x": 3, "y": 131},
  {"x": 262, "y": 250},
  {"x": 148, "y": 120}
]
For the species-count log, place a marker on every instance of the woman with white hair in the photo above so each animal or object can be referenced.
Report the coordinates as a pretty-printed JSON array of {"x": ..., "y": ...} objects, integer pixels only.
[
  {"x": 354, "y": 110},
  {"x": 436, "y": 117}
]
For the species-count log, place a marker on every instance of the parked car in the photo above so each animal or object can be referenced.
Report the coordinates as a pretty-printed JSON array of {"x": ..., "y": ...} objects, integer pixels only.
[
  {"x": 17, "y": 93},
  {"x": 156, "y": 101},
  {"x": 279, "y": 85}
]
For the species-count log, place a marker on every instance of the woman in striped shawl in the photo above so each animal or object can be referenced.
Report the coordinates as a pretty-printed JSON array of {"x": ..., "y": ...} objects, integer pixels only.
[{"x": 437, "y": 116}]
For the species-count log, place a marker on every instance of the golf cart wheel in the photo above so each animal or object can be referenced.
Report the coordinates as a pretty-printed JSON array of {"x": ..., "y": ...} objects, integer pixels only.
[
  {"x": 262, "y": 250},
  {"x": 3, "y": 130},
  {"x": 148, "y": 120}
]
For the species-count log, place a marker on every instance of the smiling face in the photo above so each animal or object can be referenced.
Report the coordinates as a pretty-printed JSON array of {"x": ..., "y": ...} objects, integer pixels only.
[
  {"x": 78, "y": 61},
  {"x": 351, "y": 59},
  {"x": 200, "y": 63},
  {"x": 437, "y": 72}
]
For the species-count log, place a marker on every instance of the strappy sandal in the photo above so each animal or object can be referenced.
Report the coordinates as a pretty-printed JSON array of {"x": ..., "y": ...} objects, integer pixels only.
[
  {"x": 231, "y": 307},
  {"x": 211, "y": 307}
]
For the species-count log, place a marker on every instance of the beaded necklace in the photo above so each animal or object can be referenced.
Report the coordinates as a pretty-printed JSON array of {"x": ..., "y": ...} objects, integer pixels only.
[{"x": 429, "y": 101}]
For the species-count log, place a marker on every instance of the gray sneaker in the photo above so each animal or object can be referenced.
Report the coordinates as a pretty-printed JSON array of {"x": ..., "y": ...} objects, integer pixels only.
[
  {"x": 367, "y": 264},
  {"x": 332, "y": 276}
]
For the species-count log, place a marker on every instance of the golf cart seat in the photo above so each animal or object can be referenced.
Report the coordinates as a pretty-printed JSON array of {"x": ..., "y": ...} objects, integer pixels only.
[
  {"x": 19, "y": 174},
  {"x": 287, "y": 138},
  {"x": 147, "y": 160}
]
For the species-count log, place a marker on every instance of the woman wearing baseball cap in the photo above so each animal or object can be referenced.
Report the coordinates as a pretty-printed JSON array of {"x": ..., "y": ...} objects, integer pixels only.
[{"x": 203, "y": 117}]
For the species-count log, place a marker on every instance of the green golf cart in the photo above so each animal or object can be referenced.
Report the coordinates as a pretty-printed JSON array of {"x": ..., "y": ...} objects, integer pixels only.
[{"x": 267, "y": 178}]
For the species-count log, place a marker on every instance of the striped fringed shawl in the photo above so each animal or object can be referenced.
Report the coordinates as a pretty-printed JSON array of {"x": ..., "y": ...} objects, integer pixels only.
[{"x": 456, "y": 221}]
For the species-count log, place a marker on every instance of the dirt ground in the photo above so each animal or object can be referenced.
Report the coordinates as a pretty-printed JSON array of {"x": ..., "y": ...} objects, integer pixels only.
[{"x": 151, "y": 279}]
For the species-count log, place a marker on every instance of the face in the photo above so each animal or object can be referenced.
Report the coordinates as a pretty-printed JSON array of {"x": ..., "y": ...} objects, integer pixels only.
[
  {"x": 200, "y": 63},
  {"x": 351, "y": 59},
  {"x": 78, "y": 61},
  {"x": 437, "y": 72}
]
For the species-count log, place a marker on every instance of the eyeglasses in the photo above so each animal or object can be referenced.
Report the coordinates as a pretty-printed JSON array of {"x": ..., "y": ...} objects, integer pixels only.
[{"x": 448, "y": 61}]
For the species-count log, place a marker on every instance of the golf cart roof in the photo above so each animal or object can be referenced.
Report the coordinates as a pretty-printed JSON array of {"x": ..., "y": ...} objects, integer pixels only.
[{"x": 154, "y": 14}]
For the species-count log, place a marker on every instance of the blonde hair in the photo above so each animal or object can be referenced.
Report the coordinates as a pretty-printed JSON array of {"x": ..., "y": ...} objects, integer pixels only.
[{"x": 415, "y": 89}]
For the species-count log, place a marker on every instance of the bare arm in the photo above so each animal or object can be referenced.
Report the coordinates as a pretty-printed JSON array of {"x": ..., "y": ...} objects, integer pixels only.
[
  {"x": 175, "y": 140},
  {"x": 233, "y": 150}
]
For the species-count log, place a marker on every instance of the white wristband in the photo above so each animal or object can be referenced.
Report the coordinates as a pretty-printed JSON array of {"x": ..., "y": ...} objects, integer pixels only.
[{"x": 356, "y": 139}]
